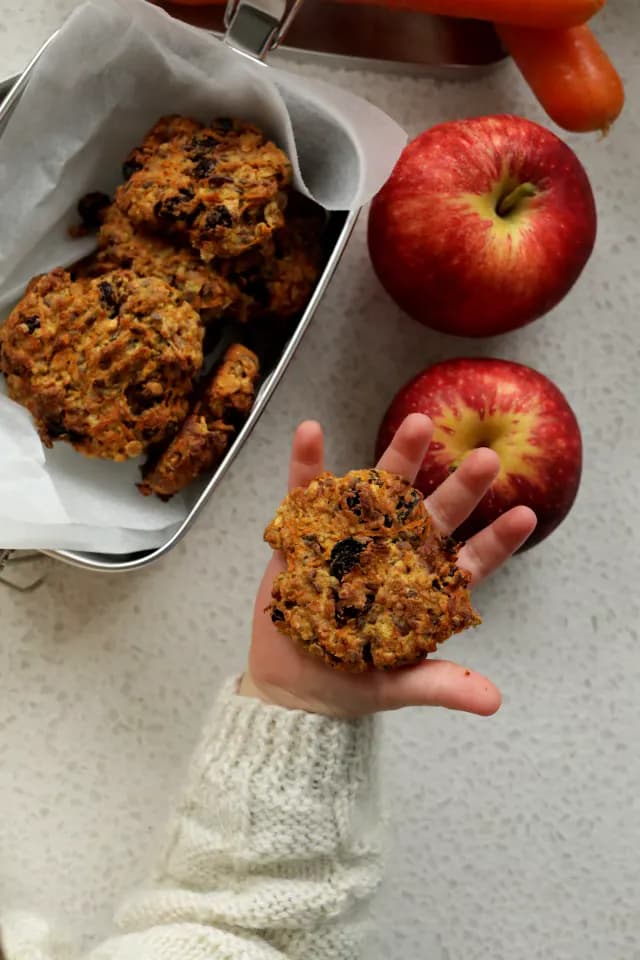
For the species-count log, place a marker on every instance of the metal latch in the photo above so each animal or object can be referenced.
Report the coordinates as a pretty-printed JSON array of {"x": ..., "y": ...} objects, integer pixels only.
[
  {"x": 24, "y": 569},
  {"x": 255, "y": 27}
]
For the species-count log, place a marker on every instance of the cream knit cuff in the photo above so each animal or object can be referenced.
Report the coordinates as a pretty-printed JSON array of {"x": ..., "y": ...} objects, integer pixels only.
[
  {"x": 287, "y": 747},
  {"x": 268, "y": 789},
  {"x": 274, "y": 776}
]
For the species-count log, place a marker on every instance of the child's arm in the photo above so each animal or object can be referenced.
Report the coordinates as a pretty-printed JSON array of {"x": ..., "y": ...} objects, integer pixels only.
[{"x": 274, "y": 851}]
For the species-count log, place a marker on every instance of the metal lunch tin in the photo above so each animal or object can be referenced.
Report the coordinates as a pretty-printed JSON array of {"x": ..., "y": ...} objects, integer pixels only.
[
  {"x": 256, "y": 29},
  {"x": 252, "y": 32}
]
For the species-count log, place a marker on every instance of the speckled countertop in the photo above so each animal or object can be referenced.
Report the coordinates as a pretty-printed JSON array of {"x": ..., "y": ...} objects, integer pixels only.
[{"x": 515, "y": 837}]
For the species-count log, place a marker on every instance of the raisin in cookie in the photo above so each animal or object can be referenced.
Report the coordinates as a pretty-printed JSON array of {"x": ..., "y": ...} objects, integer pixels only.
[
  {"x": 278, "y": 278},
  {"x": 221, "y": 187},
  {"x": 204, "y": 437},
  {"x": 123, "y": 245},
  {"x": 368, "y": 581},
  {"x": 107, "y": 364}
]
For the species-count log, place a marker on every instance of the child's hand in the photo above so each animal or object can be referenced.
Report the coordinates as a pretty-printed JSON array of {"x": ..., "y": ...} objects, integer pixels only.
[{"x": 281, "y": 673}]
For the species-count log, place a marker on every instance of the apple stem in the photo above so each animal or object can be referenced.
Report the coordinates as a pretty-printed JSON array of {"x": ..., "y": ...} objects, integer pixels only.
[{"x": 509, "y": 202}]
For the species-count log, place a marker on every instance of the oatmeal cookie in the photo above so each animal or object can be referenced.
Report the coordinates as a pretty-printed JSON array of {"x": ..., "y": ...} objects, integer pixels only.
[
  {"x": 221, "y": 188},
  {"x": 125, "y": 246},
  {"x": 172, "y": 127},
  {"x": 107, "y": 364},
  {"x": 368, "y": 580},
  {"x": 204, "y": 438},
  {"x": 278, "y": 278}
]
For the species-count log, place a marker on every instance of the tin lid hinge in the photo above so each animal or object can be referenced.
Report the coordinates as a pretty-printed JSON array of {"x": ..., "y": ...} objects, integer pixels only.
[{"x": 255, "y": 27}]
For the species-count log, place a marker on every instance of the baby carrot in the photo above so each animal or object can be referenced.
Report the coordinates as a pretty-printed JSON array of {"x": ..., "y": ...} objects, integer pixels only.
[
  {"x": 569, "y": 73},
  {"x": 542, "y": 14}
]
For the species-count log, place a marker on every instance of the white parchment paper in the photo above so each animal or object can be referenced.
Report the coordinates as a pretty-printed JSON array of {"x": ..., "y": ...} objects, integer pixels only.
[{"x": 113, "y": 69}]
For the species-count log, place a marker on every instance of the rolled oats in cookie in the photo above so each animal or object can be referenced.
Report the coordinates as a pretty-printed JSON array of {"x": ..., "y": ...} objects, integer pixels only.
[
  {"x": 368, "y": 580},
  {"x": 107, "y": 364},
  {"x": 172, "y": 127},
  {"x": 220, "y": 187},
  {"x": 278, "y": 278},
  {"x": 122, "y": 245},
  {"x": 204, "y": 437}
]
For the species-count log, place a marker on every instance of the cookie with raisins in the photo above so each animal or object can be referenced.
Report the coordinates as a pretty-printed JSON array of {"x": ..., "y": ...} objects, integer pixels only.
[
  {"x": 221, "y": 188},
  {"x": 368, "y": 580},
  {"x": 205, "y": 435},
  {"x": 107, "y": 364}
]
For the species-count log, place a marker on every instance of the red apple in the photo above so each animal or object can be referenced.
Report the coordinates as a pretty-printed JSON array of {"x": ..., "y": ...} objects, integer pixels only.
[
  {"x": 483, "y": 226},
  {"x": 519, "y": 413}
]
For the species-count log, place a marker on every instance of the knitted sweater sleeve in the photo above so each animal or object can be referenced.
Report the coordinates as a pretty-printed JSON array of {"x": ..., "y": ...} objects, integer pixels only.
[{"x": 272, "y": 853}]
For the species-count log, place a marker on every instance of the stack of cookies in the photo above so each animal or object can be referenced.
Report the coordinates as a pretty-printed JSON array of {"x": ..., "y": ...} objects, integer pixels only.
[{"x": 205, "y": 235}]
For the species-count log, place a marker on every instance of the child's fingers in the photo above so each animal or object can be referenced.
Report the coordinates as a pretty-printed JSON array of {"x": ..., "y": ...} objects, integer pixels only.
[
  {"x": 489, "y": 549},
  {"x": 460, "y": 493},
  {"x": 407, "y": 450},
  {"x": 437, "y": 683},
  {"x": 307, "y": 454}
]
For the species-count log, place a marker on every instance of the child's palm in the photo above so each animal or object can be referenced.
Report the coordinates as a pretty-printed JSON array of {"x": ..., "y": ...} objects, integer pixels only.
[{"x": 283, "y": 673}]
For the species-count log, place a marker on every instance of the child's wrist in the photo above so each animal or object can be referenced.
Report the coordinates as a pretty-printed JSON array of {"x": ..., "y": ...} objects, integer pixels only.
[
  {"x": 279, "y": 697},
  {"x": 247, "y": 688}
]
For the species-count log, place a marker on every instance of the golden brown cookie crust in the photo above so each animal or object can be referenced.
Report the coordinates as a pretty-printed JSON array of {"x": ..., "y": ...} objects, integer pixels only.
[
  {"x": 172, "y": 127},
  {"x": 368, "y": 581},
  {"x": 204, "y": 438},
  {"x": 122, "y": 245},
  {"x": 278, "y": 278},
  {"x": 107, "y": 364},
  {"x": 219, "y": 187},
  {"x": 108, "y": 358}
]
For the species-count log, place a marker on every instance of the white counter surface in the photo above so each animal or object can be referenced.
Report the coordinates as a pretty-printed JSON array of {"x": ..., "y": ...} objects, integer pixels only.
[{"x": 515, "y": 837}]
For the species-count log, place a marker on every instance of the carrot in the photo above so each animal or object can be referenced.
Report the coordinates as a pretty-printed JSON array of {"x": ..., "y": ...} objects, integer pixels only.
[
  {"x": 541, "y": 14},
  {"x": 570, "y": 74}
]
